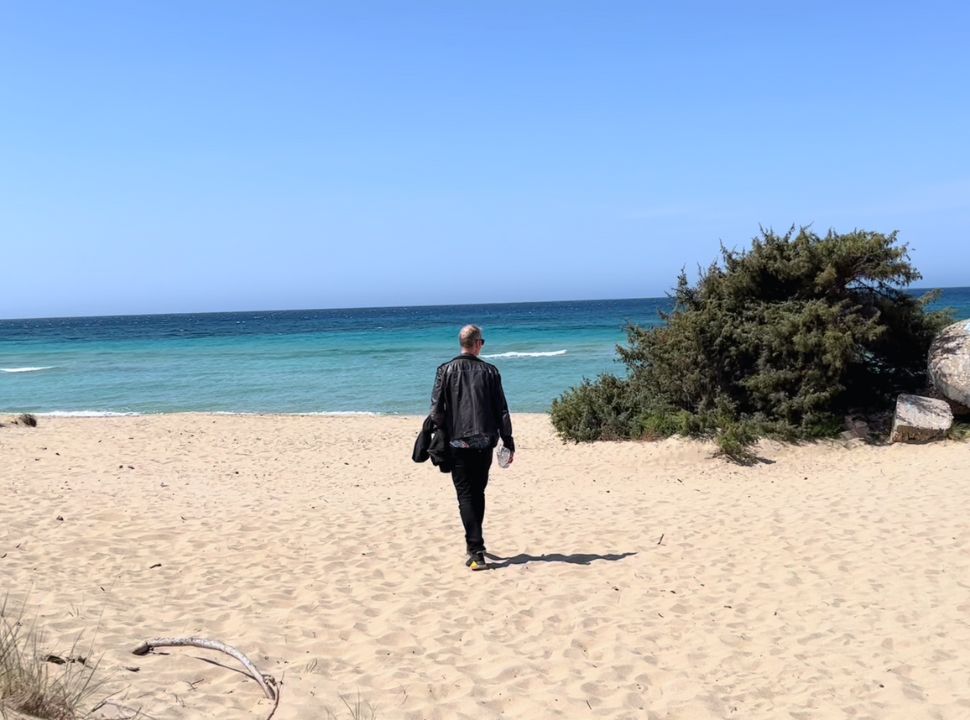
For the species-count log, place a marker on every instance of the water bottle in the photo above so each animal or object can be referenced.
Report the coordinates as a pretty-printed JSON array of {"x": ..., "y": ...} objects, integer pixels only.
[{"x": 504, "y": 457}]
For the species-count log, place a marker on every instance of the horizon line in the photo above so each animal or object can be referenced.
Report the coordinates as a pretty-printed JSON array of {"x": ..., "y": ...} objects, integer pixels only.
[{"x": 387, "y": 307}]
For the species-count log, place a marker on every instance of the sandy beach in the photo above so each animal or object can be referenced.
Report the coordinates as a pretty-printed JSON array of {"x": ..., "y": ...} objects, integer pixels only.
[{"x": 631, "y": 580}]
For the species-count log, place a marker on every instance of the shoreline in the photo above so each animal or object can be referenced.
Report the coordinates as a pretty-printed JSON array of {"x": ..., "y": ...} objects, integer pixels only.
[
  {"x": 632, "y": 579},
  {"x": 379, "y": 361},
  {"x": 245, "y": 413}
]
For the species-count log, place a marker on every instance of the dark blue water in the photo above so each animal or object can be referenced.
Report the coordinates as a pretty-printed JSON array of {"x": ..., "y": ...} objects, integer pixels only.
[{"x": 378, "y": 360}]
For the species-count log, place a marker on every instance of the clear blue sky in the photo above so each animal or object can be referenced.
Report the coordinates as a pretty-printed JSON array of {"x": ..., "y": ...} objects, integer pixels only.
[{"x": 194, "y": 156}]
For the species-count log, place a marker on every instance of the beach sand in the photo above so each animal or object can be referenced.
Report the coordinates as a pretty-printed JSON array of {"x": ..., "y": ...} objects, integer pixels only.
[{"x": 640, "y": 580}]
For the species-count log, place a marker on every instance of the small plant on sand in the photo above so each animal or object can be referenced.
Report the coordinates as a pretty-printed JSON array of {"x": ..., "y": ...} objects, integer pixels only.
[
  {"x": 960, "y": 430},
  {"x": 782, "y": 340},
  {"x": 27, "y": 683},
  {"x": 357, "y": 710}
]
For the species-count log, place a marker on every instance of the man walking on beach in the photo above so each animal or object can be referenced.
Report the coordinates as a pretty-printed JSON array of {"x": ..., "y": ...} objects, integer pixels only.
[{"x": 468, "y": 403}]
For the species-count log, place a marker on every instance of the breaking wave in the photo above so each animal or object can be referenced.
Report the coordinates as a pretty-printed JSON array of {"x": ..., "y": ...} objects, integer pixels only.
[
  {"x": 551, "y": 353},
  {"x": 26, "y": 369},
  {"x": 85, "y": 413}
]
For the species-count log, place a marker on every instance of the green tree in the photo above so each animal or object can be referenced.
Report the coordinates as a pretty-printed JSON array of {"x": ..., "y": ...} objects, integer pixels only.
[{"x": 782, "y": 339}]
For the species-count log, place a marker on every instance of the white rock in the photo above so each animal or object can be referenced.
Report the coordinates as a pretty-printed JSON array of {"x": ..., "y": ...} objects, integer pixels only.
[
  {"x": 949, "y": 363},
  {"x": 920, "y": 419}
]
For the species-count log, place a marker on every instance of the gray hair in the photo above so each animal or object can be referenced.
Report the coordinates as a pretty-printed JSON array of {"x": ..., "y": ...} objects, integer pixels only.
[{"x": 469, "y": 335}]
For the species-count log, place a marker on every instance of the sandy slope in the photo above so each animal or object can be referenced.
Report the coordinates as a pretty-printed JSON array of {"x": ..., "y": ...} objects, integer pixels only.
[{"x": 831, "y": 582}]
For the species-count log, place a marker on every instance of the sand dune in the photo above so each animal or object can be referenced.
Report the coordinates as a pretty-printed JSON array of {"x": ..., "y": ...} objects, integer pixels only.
[{"x": 633, "y": 580}]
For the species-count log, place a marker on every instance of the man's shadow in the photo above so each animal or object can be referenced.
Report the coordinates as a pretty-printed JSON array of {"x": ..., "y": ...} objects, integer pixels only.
[{"x": 575, "y": 559}]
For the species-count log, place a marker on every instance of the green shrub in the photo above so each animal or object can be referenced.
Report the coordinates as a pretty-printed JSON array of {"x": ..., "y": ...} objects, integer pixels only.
[
  {"x": 734, "y": 440},
  {"x": 595, "y": 411},
  {"x": 780, "y": 340}
]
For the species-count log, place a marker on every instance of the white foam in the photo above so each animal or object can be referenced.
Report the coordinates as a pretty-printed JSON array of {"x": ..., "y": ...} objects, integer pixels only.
[
  {"x": 26, "y": 369},
  {"x": 342, "y": 413},
  {"x": 85, "y": 413},
  {"x": 320, "y": 413},
  {"x": 551, "y": 353},
  {"x": 111, "y": 413}
]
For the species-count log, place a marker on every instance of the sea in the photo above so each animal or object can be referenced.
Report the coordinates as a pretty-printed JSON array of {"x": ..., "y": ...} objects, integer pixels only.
[{"x": 331, "y": 362}]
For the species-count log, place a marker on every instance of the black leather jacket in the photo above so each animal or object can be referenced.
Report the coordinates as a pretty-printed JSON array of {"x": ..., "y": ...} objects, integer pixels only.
[
  {"x": 432, "y": 443},
  {"x": 468, "y": 400}
]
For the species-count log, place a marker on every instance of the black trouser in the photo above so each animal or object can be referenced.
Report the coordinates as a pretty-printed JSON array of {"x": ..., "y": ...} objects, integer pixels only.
[{"x": 469, "y": 471}]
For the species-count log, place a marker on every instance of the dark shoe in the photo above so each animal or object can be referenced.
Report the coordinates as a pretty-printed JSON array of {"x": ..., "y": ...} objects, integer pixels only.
[{"x": 476, "y": 561}]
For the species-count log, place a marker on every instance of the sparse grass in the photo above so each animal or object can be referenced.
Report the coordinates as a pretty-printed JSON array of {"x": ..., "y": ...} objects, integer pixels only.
[
  {"x": 27, "y": 682},
  {"x": 357, "y": 710}
]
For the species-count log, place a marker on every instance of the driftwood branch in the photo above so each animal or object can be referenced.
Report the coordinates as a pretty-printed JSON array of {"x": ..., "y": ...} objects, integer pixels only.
[{"x": 266, "y": 682}]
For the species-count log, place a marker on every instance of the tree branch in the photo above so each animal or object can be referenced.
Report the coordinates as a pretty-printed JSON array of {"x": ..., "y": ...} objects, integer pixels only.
[{"x": 266, "y": 682}]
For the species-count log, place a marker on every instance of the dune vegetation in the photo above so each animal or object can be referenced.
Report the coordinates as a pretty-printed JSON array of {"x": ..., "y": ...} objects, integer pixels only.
[{"x": 781, "y": 340}]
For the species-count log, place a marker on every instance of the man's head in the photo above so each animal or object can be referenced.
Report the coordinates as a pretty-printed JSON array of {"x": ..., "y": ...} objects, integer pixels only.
[{"x": 471, "y": 340}]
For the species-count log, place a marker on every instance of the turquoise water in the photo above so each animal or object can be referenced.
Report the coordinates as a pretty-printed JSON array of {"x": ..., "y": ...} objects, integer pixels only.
[{"x": 370, "y": 360}]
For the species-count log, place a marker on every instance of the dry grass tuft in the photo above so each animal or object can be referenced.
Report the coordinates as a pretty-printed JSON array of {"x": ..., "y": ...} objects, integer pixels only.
[
  {"x": 28, "y": 684},
  {"x": 357, "y": 710}
]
